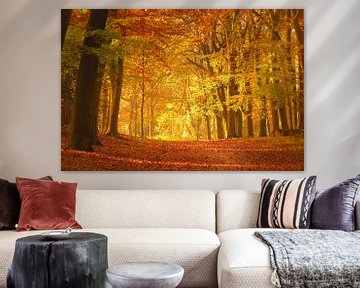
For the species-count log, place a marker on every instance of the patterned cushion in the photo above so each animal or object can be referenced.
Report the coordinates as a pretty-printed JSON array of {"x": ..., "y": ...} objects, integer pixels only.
[{"x": 286, "y": 204}]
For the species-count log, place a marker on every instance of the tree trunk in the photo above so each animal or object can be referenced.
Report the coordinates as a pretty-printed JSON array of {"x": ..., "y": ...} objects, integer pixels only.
[
  {"x": 249, "y": 110},
  {"x": 231, "y": 124},
  {"x": 222, "y": 98},
  {"x": 65, "y": 20},
  {"x": 56, "y": 263},
  {"x": 239, "y": 124},
  {"x": 81, "y": 128},
  {"x": 250, "y": 126},
  {"x": 263, "y": 130},
  {"x": 148, "y": 122},
  {"x": 136, "y": 117},
  {"x": 291, "y": 74},
  {"x": 233, "y": 91},
  {"x": 94, "y": 117},
  {"x": 152, "y": 117},
  {"x": 300, "y": 37},
  {"x": 119, "y": 70},
  {"x": 106, "y": 112},
  {"x": 132, "y": 124},
  {"x": 208, "y": 126},
  {"x": 275, "y": 122},
  {"x": 275, "y": 111},
  {"x": 263, "y": 110},
  {"x": 197, "y": 128},
  {"x": 220, "y": 127},
  {"x": 275, "y": 36},
  {"x": 284, "y": 122},
  {"x": 67, "y": 100},
  {"x": 142, "y": 93},
  {"x": 249, "y": 122}
]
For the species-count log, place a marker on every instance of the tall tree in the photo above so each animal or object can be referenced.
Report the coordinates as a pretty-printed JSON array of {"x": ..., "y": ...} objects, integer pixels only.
[
  {"x": 274, "y": 17},
  {"x": 95, "y": 105},
  {"x": 143, "y": 64},
  {"x": 299, "y": 31},
  {"x": 65, "y": 20},
  {"x": 81, "y": 135},
  {"x": 234, "y": 116},
  {"x": 117, "y": 71}
]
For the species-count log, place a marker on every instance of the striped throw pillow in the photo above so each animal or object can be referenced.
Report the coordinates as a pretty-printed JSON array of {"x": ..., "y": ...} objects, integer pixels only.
[{"x": 286, "y": 204}]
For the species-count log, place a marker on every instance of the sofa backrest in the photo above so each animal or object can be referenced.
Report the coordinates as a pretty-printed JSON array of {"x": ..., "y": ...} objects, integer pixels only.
[
  {"x": 239, "y": 209},
  {"x": 146, "y": 209},
  {"x": 236, "y": 209}
]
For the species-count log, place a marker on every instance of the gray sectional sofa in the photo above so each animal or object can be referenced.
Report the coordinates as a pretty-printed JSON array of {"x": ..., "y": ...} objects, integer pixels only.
[{"x": 209, "y": 234}]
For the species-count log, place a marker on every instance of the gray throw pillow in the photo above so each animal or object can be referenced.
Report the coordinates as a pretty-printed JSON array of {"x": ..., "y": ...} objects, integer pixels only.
[{"x": 334, "y": 208}]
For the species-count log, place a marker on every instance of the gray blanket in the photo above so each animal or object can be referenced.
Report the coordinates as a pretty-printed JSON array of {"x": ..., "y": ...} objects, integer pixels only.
[{"x": 314, "y": 258}]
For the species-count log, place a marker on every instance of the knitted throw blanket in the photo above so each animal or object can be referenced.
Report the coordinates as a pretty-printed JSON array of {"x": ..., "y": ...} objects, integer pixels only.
[{"x": 313, "y": 258}]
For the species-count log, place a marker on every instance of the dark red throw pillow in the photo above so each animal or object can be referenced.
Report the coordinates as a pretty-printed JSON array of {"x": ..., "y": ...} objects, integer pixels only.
[{"x": 46, "y": 204}]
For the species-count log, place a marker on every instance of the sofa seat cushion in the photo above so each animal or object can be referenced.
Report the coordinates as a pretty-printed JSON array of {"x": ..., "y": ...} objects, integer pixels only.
[
  {"x": 244, "y": 261},
  {"x": 196, "y": 250}
]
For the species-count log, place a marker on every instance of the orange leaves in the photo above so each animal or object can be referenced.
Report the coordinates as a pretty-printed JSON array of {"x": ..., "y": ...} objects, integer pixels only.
[
  {"x": 149, "y": 22},
  {"x": 131, "y": 153},
  {"x": 79, "y": 16}
]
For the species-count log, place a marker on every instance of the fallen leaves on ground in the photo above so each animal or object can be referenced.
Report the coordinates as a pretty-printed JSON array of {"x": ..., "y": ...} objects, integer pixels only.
[{"x": 132, "y": 153}]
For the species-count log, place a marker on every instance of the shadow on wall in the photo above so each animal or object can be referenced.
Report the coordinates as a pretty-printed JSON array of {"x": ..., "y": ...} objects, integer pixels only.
[
  {"x": 332, "y": 68},
  {"x": 331, "y": 34},
  {"x": 334, "y": 58},
  {"x": 43, "y": 11}
]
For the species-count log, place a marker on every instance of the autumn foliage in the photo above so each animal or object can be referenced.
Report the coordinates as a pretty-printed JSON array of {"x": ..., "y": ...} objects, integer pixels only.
[
  {"x": 177, "y": 89},
  {"x": 134, "y": 153}
]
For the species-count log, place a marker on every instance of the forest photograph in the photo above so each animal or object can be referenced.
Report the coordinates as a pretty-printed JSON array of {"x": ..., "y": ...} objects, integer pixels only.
[{"x": 182, "y": 89}]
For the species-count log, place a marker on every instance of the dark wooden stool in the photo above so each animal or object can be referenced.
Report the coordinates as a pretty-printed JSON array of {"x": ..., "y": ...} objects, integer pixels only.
[{"x": 78, "y": 261}]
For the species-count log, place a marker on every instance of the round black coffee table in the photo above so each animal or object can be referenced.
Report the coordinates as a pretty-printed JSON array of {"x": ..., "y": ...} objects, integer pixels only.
[
  {"x": 145, "y": 275},
  {"x": 80, "y": 261}
]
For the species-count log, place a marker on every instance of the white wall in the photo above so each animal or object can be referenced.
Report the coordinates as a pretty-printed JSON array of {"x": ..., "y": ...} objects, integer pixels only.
[{"x": 30, "y": 94}]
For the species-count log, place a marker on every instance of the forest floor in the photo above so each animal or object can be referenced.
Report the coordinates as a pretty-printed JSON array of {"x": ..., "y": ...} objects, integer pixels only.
[{"x": 132, "y": 153}]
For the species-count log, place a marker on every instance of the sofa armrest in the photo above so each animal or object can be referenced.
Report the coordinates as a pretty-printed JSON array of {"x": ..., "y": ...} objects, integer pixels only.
[{"x": 357, "y": 215}]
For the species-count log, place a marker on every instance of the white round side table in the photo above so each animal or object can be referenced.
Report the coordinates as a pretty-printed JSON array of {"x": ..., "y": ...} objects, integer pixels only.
[{"x": 145, "y": 275}]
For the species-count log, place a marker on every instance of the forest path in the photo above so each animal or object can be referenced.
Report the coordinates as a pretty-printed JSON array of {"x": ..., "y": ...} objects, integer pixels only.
[{"x": 131, "y": 153}]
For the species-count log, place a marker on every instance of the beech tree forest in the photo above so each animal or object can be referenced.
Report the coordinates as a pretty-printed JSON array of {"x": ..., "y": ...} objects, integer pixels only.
[{"x": 180, "y": 89}]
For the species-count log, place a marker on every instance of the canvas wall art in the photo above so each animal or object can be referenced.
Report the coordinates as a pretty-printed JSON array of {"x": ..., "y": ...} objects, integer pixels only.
[{"x": 182, "y": 89}]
